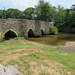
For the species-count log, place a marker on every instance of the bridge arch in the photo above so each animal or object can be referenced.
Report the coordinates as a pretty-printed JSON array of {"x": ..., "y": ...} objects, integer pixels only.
[
  {"x": 30, "y": 32},
  {"x": 10, "y": 34},
  {"x": 42, "y": 32}
]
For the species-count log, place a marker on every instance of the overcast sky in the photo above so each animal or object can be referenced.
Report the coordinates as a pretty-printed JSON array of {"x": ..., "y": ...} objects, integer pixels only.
[{"x": 23, "y": 4}]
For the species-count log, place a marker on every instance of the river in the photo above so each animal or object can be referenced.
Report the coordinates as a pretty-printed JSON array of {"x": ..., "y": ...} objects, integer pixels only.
[{"x": 54, "y": 40}]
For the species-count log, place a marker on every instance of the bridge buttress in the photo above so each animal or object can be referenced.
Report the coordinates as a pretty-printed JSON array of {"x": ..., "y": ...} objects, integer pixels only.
[{"x": 37, "y": 28}]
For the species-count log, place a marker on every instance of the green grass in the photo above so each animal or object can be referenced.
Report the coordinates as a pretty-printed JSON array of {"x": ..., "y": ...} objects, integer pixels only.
[
  {"x": 37, "y": 54},
  {"x": 19, "y": 38}
]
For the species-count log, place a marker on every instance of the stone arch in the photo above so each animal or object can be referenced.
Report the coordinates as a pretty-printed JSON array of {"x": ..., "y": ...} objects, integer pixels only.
[
  {"x": 30, "y": 32},
  {"x": 10, "y": 34},
  {"x": 42, "y": 32}
]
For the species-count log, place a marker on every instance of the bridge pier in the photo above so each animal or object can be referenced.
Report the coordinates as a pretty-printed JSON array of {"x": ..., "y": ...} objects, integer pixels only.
[{"x": 37, "y": 31}]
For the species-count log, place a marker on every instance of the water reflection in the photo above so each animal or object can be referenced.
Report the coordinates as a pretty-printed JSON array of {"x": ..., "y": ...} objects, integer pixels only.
[{"x": 54, "y": 40}]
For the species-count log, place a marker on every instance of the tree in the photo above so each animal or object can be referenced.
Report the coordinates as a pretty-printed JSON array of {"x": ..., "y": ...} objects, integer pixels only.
[
  {"x": 72, "y": 11},
  {"x": 65, "y": 19},
  {"x": 28, "y": 13},
  {"x": 59, "y": 18},
  {"x": 43, "y": 11},
  {"x": 13, "y": 13},
  {"x": 2, "y": 14}
]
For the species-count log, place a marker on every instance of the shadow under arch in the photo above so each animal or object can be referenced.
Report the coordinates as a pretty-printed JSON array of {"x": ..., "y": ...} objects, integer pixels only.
[
  {"x": 30, "y": 33},
  {"x": 42, "y": 32},
  {"x": 10, "y": 34}
]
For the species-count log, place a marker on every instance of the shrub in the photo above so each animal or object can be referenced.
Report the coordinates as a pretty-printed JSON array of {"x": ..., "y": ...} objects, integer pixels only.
[
  {"x": 53, "y": 30},
  {"x": 1, "y": 38}
]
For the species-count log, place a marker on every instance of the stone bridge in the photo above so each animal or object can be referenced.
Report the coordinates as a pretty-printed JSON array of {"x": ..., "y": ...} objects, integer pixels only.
[{"x": 10, "y": 28}]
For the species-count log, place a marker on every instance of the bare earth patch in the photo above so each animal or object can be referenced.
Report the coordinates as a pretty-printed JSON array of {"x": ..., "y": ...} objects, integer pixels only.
[
  {"x": 14, "y": 56},
  {"x": 47, "y": 68},
  {"x": 68, "y": 47}
]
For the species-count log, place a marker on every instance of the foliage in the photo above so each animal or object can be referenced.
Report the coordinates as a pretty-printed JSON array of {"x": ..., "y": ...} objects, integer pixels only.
[
  {"x": 59, "y": 17},
  {"x": 43, "y": 11},
  {"x": 1, "y": 38},
  {"x": 53, "y": 30},
  {"x": 65, "y": 19},
  {"x": 2, "y": 14},
  {"x": 28, "y": 13},
  {"x": 13, "y": 13}
]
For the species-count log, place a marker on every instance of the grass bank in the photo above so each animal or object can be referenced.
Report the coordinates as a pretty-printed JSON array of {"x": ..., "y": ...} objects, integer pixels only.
[{"x": 35, "y": 59}]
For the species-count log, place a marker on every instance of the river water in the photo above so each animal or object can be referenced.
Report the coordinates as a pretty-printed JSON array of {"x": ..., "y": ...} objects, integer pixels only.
[{"x": 54, "y": 40}]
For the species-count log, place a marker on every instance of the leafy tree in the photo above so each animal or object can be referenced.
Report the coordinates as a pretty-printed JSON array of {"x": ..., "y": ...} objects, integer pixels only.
[
  {"x": 72, "y": 10},
  {"x": 65, "y": 19},
  {"x": 59, "y": 17},
  {"x": 13, "y": 13},
  {"x": 43, "y": 11},
  {"x": 28, "y": 13},
  {"x": 2, "y": 14}
]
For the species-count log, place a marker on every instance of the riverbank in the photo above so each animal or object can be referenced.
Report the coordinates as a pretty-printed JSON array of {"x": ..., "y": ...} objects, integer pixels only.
[
  {"x": 68, "y": 47},
  {"x": 54, "y": 40},
  {"x": 32, "y": 58}
]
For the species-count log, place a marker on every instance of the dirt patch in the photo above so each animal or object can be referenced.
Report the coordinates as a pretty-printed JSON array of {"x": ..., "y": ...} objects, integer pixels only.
[
  {"x": 13, "y": 56},
  {"x": 68, "y": 47},
  {"x": 47, "y": 68}
]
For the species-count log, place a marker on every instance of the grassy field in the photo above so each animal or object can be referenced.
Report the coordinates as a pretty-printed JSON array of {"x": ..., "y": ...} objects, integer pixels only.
[{"x": 34, "y": 59}]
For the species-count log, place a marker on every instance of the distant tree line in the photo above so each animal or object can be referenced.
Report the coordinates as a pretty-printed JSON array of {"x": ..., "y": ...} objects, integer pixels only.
[{"x": 64, "y": 18}]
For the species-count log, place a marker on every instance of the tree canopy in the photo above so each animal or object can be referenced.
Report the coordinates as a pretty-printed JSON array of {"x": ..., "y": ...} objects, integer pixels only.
[{"x": 28, "y": 13}]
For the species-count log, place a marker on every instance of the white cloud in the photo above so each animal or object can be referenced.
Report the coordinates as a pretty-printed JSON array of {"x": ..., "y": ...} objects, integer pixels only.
[
  {"x": 20, "y": 4},
  {"x": 53, "y": 4},
  {"x": 53, "y": 0},
  {"x": 23, "y": 4},
  {"x": 61, "y": 4}
]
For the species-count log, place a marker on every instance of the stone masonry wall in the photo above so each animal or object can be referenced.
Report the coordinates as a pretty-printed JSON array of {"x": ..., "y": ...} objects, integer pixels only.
[
  {"x": 43, "y": 25},
  {"x": 21, "y": 26},
  {"x": 47, "y": 25},
  {"x": 37, "y": 28},
  {"x": 30, "y": 25},
  {"x": 9, "y": 24}
]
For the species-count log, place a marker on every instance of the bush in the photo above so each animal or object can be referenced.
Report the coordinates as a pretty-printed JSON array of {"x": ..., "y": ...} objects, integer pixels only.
[
  {"x": 1, "y": 38},
  {"x": 53, "y": 30}
]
